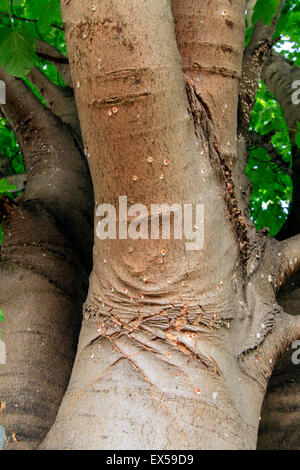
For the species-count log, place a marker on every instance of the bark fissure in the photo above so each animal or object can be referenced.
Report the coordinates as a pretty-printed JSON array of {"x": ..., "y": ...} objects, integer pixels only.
[{"x": 202, "y": 121}]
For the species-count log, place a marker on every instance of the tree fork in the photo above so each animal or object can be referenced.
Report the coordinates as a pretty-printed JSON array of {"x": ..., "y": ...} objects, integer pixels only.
[{"x": 175, "y": 343}]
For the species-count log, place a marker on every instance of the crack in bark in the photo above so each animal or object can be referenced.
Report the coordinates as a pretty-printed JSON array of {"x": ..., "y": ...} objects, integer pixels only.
[
  {"x": 88, "y": 386},
  {"x": 225, "y": 72},
  {"x": 124, "y": 100},
  {"x": 203, "y": 124}
]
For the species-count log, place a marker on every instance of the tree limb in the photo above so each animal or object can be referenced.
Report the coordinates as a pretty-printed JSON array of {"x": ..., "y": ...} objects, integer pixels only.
[
  {"x": 281, "y": 260},
  {"x": 48, "y": 52},
  {"x": 279, "y": 75},
  {"x": 55, "y": 166},
  {"x": 4, "y": 165},
  {"x": 250, "y": 10},
  {"x": 264, "y": 141},
  {"x": 60, "y": 100},
  {"x": 27, "y": 20},
  {"x": 285, "y": 330},
  {"x": 291, "y": 252},
  {"x": 16, "y": 180},
  {"x": 199, "y": 44},
  {"x": 255, "y": 56}
]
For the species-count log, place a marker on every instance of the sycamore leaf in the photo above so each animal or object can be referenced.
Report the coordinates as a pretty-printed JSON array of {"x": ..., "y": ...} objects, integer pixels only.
[
  {"x": 5, "y": 6},
  {"x": 46, "y": 12},
  {"x": 4, "y": 32},
  {"x": 17, "y": 52},
  {"x": 265, "y": 11}
]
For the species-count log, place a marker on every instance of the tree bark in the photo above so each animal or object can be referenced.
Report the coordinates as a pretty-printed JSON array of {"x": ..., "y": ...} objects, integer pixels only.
[
  {"x": 280, "y": 413},
  {"x": 44, "y": 269},
  {"x": 169, "y": 335}
]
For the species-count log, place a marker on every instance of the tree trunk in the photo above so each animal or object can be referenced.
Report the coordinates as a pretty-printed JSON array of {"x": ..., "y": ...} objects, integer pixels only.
[
  {"x": 170, "y": 335},
  {"x": 44, "y": 269}
]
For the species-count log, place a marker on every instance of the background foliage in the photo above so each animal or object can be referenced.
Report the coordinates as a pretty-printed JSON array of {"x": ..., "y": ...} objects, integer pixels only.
[{"x": 23, "y": 22}]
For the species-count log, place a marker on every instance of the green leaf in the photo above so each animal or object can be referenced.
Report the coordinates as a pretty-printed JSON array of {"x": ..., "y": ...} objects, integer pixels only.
[
  {"x": 5, "y": 187},
  {"x": 4, "y": 32},
  {"x": 5, "y": 6},
  {"x": 297, "y": 137},
  {"x": 271, "y": 187},
  {"x": 17, "y": 52},
  {"x": 1, "y": 316},
  {"x": 265, "y": 11},
  {"x": 46, "y": 12}
]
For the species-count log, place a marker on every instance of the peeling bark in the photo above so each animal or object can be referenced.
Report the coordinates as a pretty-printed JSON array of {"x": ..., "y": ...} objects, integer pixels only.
[{"x": 255, "y": 56}]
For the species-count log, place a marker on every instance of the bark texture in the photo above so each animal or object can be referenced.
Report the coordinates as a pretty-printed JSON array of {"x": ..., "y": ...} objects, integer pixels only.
[
  {"x": 280, "y": 414},
  {"x": 187, "y": 337},
  {"x": 44, "y": 269},
  {"x": 279, "y": 428},
  {"x": 169, "y": 335}
]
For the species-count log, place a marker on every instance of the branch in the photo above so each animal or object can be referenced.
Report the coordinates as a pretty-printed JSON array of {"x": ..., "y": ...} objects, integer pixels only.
[
  {"x": 48, "y": 52},
  {"x": 55, "y": 167},
  {"x": 17, "y": 180},
  {"x": 285, "y": 330},
  {"x": 281, "y": 260},
  {"x": 294, "y": 327},
  {"x": 279, "y": 75},
  {"x": 250, "y": 10},
  {"x": 28, "y": 20},
  {"x": 60, "y": 100},
  {"x": 291, "y": 253},
  {"x": 4, "y": 166},
  {"x": 255, "y": 56},
  {"x": 264, "y": 141},
  {"x": 200, "y": 42},
  {"x": 51, "y": 58}
]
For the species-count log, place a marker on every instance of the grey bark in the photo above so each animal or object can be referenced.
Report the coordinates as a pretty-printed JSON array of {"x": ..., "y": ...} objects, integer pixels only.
[{"x": 44, "y": 269}]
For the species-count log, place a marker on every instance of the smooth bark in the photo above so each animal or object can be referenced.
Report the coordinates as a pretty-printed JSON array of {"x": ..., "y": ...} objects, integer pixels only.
[
  {"x": 43, "y": 271},
  {"x": 192, "y": 341}
]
